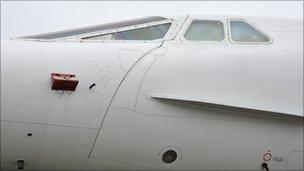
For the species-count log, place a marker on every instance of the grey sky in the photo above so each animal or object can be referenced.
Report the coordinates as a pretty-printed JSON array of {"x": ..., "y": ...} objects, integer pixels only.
[{"x": 26, "y": 18}]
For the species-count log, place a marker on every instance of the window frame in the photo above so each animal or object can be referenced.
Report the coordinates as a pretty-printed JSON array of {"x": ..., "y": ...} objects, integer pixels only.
[
  {"x": 250, "y": 24},
  {"x": 111, "y": 31},
  {"x": 78, "y": 38},
  {"x": 83, "y": 38},
  {"x": 202, "y": 19}
]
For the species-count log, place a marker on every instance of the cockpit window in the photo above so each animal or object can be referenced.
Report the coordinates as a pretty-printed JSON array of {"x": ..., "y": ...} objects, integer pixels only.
[
  {"x": 205, "y": 30},
  {"x": 145, "y": 33},
  {"x": 84, "y": 30},
  {"x": 243, "y": 32}
]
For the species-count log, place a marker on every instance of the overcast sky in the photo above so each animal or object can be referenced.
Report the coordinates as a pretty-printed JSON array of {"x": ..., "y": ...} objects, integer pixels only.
[{"x": 27, "y": 18}]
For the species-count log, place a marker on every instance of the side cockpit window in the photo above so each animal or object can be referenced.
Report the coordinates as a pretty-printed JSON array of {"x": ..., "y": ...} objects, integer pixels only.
[
  {"x": 145, "y": 33},
  {"x": 205, "y": 30},
  {"x": 240, "y": 31}
]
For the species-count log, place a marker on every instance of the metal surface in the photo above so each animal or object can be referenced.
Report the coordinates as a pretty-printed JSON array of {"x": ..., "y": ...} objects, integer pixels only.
[{"x": 219, "y": 105}]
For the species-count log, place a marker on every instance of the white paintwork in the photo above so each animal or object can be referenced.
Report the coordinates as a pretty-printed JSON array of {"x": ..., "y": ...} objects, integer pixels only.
[{"x": 147, "y": 100}]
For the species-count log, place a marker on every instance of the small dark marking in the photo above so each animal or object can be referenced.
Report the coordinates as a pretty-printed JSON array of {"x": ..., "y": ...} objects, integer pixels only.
[
  {"x": 169, "y": 156},
  {"x": 29, "y": 134},
  {"x": 265, "y": 166},
  {"x": 93, "y": 85},
  {"x": 20, "y": 164}
]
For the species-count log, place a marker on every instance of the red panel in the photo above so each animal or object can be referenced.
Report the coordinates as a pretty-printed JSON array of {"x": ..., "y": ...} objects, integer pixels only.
[{"x": 64, "y": 82}]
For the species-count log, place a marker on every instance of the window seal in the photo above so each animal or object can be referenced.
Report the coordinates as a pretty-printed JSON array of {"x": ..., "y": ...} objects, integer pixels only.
[{"x": 252, "y": 25}]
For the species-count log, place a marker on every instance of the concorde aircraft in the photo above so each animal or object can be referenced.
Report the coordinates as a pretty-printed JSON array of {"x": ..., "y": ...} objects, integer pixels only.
[{"x": 160, "y": 93}]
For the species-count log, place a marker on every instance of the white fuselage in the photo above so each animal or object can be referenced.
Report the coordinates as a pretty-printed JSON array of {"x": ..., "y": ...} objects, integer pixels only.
[{"x": 217, "y": 104}]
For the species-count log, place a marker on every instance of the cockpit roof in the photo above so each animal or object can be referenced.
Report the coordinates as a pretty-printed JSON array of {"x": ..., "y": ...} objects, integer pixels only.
[{"x": 84, "y": 30}]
